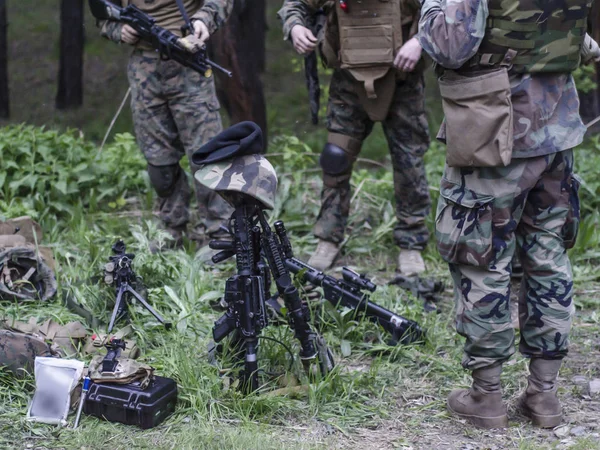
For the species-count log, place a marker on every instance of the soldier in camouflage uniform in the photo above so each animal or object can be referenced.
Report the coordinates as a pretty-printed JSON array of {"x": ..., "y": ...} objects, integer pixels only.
[
  {"x": 175, "y": 111},
  {"x": 351, "y": 115},
  {"x": 529, "y": 205}
]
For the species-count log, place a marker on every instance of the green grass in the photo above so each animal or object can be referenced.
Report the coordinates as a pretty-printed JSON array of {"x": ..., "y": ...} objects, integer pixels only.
[{"x": 379, "y": 396}]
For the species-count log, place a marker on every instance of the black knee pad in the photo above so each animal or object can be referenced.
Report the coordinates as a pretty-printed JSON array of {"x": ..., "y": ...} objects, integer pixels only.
[
  {"x": 335, "y": 160},
  {"x": 164, "y": 178}
]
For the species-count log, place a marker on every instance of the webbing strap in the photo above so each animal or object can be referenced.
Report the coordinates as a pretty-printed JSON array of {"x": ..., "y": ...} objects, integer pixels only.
[
  {"x": 186, "y": 18},
  {"x": 504, "y": 41},
  {"x": 492, "y": 59}
]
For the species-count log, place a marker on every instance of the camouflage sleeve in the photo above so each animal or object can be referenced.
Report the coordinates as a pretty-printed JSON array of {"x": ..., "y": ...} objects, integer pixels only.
[
  {"x": 111, "y": 30},
  {"x": 214, "y": 13},
  {"x": 292, "y": 13},
  {"x": 450, "y": 31}
]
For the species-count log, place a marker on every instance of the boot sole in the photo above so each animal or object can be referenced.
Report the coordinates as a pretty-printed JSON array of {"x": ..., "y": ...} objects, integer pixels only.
[
  {"x": 540, "y": 420},
  {"x": 482, "y": 422}
]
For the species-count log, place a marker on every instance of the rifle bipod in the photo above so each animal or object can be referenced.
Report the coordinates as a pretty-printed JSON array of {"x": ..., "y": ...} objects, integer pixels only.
[{"x": 260, "y": 261}]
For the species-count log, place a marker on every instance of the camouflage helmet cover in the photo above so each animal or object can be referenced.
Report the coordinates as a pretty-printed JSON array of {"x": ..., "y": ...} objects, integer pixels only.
[{"x": 252, "y": 175}]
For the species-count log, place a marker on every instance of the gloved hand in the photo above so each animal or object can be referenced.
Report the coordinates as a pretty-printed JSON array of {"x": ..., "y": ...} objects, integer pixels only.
[{"x": 590, "y": 50}]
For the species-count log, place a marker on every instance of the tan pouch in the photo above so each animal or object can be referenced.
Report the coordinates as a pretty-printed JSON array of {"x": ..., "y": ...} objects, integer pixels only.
[
  {"x": 478, "y": 119},
  {"x": 367, "y": 46}
]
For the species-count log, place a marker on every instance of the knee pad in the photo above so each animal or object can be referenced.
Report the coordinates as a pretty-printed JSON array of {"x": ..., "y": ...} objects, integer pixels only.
[
  {"x": 164, "y": 178},
  {"x": 335, "y": 160}
]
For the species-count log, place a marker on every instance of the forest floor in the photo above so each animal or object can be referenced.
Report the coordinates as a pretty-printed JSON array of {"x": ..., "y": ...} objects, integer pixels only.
[{"x": 378, "y": 397}]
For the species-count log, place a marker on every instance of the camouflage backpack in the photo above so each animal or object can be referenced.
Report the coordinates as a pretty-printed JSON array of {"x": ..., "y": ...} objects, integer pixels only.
[{"x": 21, "y": 342}]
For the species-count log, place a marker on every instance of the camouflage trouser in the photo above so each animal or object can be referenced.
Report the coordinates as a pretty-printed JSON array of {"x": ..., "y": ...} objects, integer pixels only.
[
  {"x": 407, "y": 133},
  {"x": 175, "y": 111},
  {"x": 483, "y": 216}
]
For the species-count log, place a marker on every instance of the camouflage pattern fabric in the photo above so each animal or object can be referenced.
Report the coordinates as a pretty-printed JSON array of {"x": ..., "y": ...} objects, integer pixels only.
[
  {"x": 213, "y": 13},
  {"x": 18, "y": 350},
  {"x": 547, "y": 36},
  {"x": 407, "y": 133},
  {"x": 175, "y": 112},
  {"x": 127, "y": 371},
  {"x": 545, "y": 106},
  {"x": 252, "y": 175},
  {"x": 483, "y": 217}
]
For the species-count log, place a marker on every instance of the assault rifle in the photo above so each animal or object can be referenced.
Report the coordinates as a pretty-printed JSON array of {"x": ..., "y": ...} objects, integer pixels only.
[
  {"x": 350, "y": 292},
  {"x": 165, "y": 42},
  {"x": 259, "y": 262}
]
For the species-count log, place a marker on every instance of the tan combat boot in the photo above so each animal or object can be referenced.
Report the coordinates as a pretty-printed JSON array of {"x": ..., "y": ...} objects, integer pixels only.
[
  {"x": 540, "y": 402},
  {"x": 410, "y": 262},
  {"x": 324, "y": 255},
  {"x": 482, "y": 403}
]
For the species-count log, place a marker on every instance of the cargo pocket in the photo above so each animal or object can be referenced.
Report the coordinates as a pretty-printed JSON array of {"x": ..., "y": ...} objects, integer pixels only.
[
  {"x": 464, "y": 226},
  {"x": 571, "y": 227}
]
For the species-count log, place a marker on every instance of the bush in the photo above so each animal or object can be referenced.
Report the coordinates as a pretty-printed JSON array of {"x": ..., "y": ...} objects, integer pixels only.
[{"x": 50, "y": 171}]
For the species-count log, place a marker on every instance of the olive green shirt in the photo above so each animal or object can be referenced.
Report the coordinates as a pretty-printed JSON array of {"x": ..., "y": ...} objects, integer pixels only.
[{"x": 213, "y": 13}]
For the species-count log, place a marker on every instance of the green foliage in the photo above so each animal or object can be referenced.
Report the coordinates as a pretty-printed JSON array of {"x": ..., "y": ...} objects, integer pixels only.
[
  {"x": 584, "y": 78},
  {"x": 50, "y": 172},
  {"x": 372, "y": 384}
]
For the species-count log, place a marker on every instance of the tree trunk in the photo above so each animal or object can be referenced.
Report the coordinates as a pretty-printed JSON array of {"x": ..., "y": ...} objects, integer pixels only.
[
  {"x": 70, "y": 74},
  {"x": 596, "y": 35},
  {"x": 4, "y": 99},
  {"x": 240, "y": 47}
]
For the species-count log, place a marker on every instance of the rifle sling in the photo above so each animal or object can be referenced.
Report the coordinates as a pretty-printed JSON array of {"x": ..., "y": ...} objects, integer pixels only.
[{"x": 186, "y": 18}]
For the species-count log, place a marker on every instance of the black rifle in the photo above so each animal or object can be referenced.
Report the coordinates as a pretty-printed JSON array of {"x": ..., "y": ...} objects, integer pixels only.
[
  {"x": 165, "y": 42},
  {"x": 311, "y": 68},
  {"x": 120, "y": 274},
  {"x": 258, "y": 258},
  {"x": 349, "y": 292}
]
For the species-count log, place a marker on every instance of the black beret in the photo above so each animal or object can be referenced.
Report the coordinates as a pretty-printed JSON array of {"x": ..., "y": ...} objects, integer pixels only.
[{"x": 244, "y": 138}]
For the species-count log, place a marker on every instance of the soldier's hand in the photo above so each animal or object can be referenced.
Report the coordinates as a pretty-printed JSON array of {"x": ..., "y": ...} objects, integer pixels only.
[
  {"x": 408, "y": 56},
  {"x": 303, "y": 39},
  {"x": 201, "y": 31},
  {"x": 129, "y": 35}
]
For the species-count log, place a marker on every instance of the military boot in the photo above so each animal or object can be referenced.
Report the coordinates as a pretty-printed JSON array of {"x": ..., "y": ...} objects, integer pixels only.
[
  {"x": 410, "y": 262},
  {"x": 482, "y": 403},
  {"x": 540, "y": 402},
  {"x": 324, "y": 255}
]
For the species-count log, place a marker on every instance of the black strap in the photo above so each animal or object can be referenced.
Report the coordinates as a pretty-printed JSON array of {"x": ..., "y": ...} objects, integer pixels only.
[{"x": 186, "y": 18}]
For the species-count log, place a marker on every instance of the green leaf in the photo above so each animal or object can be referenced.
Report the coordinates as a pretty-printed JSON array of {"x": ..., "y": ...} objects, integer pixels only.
[{"x": 346, "y": 348}]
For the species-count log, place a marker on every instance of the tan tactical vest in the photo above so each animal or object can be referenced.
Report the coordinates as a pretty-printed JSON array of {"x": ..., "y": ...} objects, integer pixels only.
[
  {"x": 534, "y": 35},
  {"x": 370, "y": 35}
]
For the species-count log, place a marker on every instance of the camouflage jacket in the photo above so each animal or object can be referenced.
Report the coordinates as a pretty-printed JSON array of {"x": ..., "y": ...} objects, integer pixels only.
[
  {"x": 546, "y": 106},
  {"x": 213, "y": 13}
]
